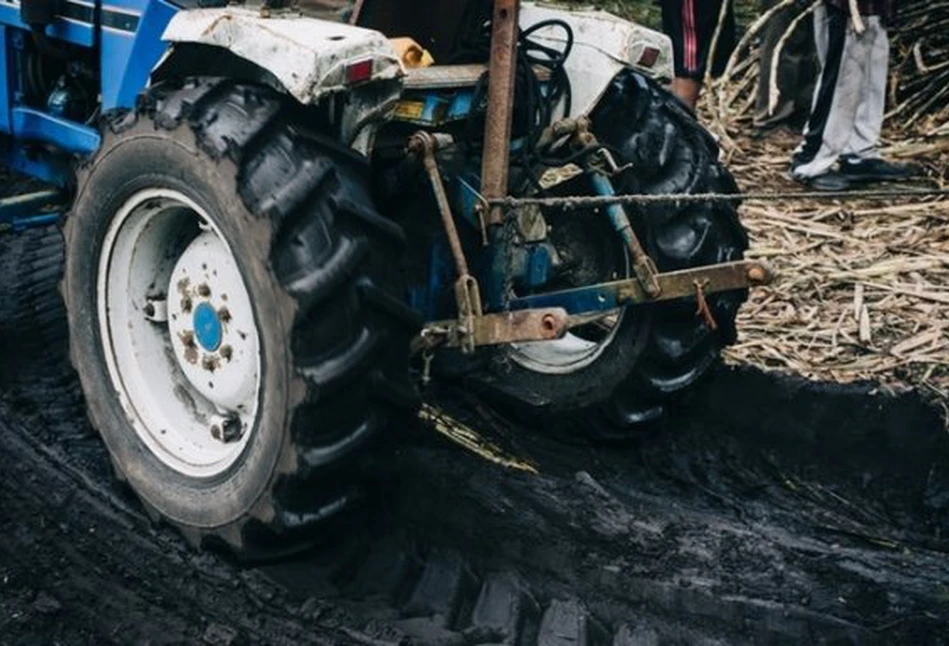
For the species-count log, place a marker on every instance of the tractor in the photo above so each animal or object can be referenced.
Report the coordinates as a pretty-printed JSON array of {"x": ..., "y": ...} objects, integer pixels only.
[{"x": 282, "y": 221}]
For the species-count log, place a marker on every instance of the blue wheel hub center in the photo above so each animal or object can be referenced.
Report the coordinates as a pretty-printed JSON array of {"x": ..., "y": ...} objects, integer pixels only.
[{"x": 207, "y": 327}]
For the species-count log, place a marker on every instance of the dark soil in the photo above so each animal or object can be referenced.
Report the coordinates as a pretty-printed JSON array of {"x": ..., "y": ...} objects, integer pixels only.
[{"x": 765, "y": 510}]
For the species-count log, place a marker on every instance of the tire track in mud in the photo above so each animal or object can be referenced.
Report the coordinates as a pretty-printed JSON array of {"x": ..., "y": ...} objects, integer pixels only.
[{"x": 766, "y": 511}]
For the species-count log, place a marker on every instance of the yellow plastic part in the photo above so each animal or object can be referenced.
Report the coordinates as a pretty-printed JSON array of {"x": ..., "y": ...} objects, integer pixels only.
[{"x": 411, "y": 53}]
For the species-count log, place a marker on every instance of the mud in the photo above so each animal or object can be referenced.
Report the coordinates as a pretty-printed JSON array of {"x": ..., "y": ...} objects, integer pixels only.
[{"x": 766, "y": 510}]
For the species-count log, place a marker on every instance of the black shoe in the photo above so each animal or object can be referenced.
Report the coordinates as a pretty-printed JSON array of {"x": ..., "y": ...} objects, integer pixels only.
[
  {"x": 829, "y": 181},
  {"x": 859, "y": 170}
]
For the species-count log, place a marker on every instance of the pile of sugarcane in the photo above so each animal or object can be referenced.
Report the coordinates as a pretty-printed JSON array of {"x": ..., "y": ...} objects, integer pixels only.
[
  {"x": 919, "y": 66},
  {"x": 919, "y": 72},
  {"x": 862, "y": 288}
]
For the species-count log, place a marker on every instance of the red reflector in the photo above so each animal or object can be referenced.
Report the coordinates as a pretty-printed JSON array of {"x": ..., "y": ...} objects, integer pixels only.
[
  {"x": 649, "y": 57},
  {"x": 359, "y": 72}
]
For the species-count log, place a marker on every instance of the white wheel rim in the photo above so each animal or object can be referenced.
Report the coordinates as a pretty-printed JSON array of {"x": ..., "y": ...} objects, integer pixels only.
[
  {"x": 178, "y": 331},
  {"x": 568, "y": 354},
  {"x": 572, "y": 352}
]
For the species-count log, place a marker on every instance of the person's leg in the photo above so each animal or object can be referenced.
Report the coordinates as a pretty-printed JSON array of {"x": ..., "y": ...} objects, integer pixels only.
[
  {"x": 869, "y": 121},
  {"x": 795, "y": 73},
  {"x": 860, "y": 161},
  {"x": 679, "y": 21},
  {"x": 797, "y": 70},
  {"x": 836, "y": 99},
  {"x": 688, "y": 90},
  {"x": 821, "y": 36}
]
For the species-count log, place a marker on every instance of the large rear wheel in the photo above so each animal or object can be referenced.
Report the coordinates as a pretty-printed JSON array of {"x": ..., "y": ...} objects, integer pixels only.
[
  {"x": 608, "y": 378},
  {"x": 666, "y": 151},
  {"x": 233, "y": 315}
]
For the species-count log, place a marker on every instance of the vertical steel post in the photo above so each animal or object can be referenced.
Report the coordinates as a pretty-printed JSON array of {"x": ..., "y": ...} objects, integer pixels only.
[{"x": 497, "y": 130}]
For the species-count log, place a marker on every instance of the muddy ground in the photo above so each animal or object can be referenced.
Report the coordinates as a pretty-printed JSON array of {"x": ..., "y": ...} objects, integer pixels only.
[{"x": 766, "y": 510}]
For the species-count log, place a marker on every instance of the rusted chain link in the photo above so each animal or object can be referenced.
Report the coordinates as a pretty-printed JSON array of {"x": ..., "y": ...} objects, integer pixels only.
[{"x": 589, "y": 201}]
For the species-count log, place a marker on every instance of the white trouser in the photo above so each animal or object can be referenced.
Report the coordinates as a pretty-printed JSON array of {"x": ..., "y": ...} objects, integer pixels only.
[{"x": 847, "y": 110}]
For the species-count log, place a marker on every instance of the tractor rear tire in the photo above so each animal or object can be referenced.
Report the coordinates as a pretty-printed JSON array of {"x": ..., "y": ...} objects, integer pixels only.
[
  {"x": 241, "y": 193},
  {"x": 655, "y": 352},
  {"x": 668, "y": 152}
]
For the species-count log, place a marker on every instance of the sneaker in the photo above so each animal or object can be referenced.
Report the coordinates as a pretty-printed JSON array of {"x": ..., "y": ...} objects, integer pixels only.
[
  {"x": 830, "y": 181},
  {"x": 860, "y": 170}
]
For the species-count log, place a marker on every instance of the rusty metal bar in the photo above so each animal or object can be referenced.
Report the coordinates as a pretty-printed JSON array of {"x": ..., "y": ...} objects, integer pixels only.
[
  {"x": 497, "y": 127},
  {"x": 501, "y": 328},
  {"x": 710, "y": 279},
  {"x": 424, "y": 144},
  {"x": 467, "y": 291}
]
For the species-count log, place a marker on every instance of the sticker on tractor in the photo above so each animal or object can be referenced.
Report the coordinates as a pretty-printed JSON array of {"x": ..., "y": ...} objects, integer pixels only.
[{"x": 410, "y": 110}]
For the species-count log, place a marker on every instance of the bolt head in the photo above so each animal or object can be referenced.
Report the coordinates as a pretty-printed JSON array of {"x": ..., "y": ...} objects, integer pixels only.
[
  {"x": 549, "y": 324},
  {"x": 757, "y": 274}
]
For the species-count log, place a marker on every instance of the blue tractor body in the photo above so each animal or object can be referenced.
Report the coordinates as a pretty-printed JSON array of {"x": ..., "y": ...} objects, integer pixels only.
[
  {"x": 118, "y": 44},
  {"x": 115, "y": 48}
]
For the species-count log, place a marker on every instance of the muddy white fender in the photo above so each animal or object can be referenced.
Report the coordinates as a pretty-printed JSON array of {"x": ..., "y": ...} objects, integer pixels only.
[
  {"x": 309, "y": 57},
  {"x": 604, "y": 45}
]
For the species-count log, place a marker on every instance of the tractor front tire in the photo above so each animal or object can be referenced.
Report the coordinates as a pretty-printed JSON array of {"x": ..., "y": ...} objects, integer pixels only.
[{"x": 234, "y": 316}]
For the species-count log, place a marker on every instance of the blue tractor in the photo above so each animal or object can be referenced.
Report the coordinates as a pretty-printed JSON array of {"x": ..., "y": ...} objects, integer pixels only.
[{"x": 281, "y": 221}]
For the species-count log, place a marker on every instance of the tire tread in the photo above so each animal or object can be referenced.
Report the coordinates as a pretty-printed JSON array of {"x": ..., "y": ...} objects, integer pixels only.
[{"x": 295, "y": 183}]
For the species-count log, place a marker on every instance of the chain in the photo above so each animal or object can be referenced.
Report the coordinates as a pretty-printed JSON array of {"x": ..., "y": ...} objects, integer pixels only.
[
  {"x": 593, "y": 201},
  {"x": 509, "y": 232}
]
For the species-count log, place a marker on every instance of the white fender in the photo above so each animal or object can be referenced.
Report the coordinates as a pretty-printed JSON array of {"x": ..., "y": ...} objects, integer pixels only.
[
  {"x": 308, "y": 56},
  {"x": 604, "y": 45}
]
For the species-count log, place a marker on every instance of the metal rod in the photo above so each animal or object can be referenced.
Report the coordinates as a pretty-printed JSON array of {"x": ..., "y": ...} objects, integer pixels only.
[
  {"x": 497, "y": 127},
  {"x": 424, "y": 144},
  {"x": 642, "y": 264},
  {"x": 711, "y": 279},
  {"x": 31, "y": 210}
]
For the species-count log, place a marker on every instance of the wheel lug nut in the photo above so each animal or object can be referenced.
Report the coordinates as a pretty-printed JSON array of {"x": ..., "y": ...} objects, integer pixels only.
[
  {"x": 549, "y": 323},
  {"x": 204, "y": 290},
  {"x": 227, "y": 430},
  {"x": 156, "y": 310},
  {"x": 191, "y": 349},
  {"x": 224, "y": 314},
  {"x": 226, "y": 352},
  {"x": 233, "y": 430},
  {"x": 186, "y": 304}
]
